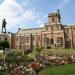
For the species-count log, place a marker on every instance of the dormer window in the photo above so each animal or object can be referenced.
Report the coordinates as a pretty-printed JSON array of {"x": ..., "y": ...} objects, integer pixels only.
[{"x": 53, "y": 19}]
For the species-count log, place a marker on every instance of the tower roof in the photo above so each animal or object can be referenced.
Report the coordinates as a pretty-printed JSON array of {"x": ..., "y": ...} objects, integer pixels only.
[{"x": 54, "y": 14}]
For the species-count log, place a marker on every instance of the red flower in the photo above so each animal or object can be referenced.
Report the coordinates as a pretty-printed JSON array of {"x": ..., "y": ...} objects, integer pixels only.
[{"x": 33, "y": 65}]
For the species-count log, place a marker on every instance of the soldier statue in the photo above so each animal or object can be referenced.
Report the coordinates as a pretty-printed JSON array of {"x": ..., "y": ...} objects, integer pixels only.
[{"x": 4, "y": 25}]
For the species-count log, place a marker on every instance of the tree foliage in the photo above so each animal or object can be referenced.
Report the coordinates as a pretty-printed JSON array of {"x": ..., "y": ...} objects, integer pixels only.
[{"x": 4, "y": 44}]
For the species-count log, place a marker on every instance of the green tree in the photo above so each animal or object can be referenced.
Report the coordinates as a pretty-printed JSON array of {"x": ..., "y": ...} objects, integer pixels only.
[{"x": 4, "y": 44}]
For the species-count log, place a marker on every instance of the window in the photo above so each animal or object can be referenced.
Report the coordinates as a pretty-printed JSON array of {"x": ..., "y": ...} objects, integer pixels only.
[
  {"x": 22, "y": 39},
  {"x": 57, "y": 27},
  {"x": 33, "y": 38},
  {"x": 52, "y": 28},
  {"x": 59, "y": 42},
  {"x": 38, "y": 38},
  {"x": 53, "y": 19},
  {"x": 27, "y": 39},
  {"x": 46, "y": 28},
  {"x": 67, "y": 31},
  {"x": 46, "y": 41},
  {"x": 67, "y": 34},
  {"x": 52, "y": 41}
]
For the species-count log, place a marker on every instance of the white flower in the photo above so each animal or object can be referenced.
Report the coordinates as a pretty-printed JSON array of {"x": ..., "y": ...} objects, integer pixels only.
[
  {"x": 41, "y": 65},
  {"x": 27, "y": 70},
  {"x": 11, "y": 65},
  {"x": 6, "y": 67}
]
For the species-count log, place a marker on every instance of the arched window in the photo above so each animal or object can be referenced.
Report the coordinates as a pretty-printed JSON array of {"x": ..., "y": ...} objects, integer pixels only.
[{"x": 52, "y": 41}]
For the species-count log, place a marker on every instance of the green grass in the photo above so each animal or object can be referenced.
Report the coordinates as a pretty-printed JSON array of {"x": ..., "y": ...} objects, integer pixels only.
[
  {"x": 60, "y": 70},
  {"x": 4, "y": 73}
]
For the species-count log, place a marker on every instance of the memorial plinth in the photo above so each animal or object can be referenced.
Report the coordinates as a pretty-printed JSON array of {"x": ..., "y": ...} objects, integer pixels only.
[{"x": 3, "y": 36}]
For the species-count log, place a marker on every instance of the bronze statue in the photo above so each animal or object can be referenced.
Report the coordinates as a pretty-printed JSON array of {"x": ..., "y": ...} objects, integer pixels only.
[{"x": 4, "y": 25}]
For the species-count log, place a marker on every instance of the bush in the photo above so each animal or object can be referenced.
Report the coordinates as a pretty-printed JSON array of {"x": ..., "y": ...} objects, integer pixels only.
[
  {"x": 27, "y": 51},
  {"x": 4, "y": 44},
  {"x": 10, "y": 57},
  {"x": 17, "y": 57},
  {"x": 38, "y": 49}
]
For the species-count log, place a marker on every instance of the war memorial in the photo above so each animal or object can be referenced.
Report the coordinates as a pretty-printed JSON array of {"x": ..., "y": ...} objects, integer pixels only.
[{"x": 38, "y": 51}]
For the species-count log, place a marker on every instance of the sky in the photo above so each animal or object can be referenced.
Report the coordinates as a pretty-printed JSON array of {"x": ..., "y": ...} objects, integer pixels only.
[{"x": 33, "y": 13}]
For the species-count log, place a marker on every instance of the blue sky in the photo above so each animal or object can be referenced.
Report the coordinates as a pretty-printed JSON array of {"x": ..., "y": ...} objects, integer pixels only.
[{"x": 33, "y": 13}]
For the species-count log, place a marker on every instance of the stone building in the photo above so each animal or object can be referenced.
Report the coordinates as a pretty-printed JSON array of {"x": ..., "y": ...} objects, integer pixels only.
[
  {"x": 11, "y": 39},
  {"x": 52, "y": 35}
]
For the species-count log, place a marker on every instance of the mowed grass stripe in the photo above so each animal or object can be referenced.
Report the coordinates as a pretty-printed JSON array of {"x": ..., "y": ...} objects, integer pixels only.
[{"x": 60, "y": 70}]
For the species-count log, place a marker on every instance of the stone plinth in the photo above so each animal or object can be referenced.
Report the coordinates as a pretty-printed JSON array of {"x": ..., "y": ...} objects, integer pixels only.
[{"x": 3, "y": 36}]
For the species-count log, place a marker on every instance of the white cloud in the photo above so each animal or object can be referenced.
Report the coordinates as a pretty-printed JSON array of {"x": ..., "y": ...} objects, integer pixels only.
[
  {"x": 40, "y": 22},
  {"x": 15, "y": 14},
  {"x": 41, "y": 25},
  {"x": 63, "y": 3}
]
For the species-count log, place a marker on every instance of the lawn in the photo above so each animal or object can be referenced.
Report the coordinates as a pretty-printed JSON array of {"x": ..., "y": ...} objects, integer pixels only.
[{"x": 68, "y": 69}]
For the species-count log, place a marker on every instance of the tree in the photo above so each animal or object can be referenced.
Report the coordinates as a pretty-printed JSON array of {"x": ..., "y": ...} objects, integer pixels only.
[{"x": 4, "y": 44}]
